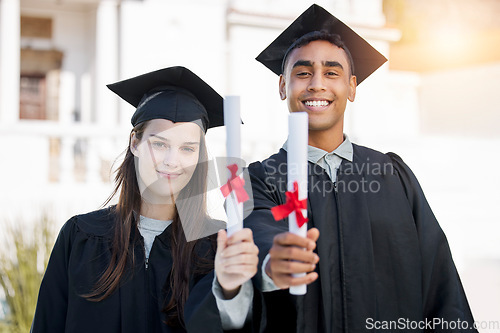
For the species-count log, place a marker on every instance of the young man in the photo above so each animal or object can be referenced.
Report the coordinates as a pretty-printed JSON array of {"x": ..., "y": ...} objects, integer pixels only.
[{"x": 382, "y": 261}]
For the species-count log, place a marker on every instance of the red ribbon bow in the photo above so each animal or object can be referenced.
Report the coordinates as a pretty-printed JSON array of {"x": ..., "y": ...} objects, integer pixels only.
[
  {"x": 235, "y": 183},
  {"x": 293, "y": 204}
]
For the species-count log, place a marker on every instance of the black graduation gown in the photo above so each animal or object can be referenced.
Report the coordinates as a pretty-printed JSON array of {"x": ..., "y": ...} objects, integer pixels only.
[
  {"x": 384, "y": 259},
  {"x": 81, "y": 254}
]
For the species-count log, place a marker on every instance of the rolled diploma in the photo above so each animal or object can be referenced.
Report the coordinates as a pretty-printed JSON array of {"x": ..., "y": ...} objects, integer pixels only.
[
  {"x": 232, "y": 121},
  {"x": 297, "y": 171}
]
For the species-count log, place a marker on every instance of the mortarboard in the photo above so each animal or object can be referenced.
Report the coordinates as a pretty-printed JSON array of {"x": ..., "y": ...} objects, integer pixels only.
[
  {"x": 173, "y": 93},
  {"x": 315, "y": 18}
]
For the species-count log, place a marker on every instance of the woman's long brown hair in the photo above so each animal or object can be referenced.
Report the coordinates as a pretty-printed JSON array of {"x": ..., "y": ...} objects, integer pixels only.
[{"x": 184, "y": 257}]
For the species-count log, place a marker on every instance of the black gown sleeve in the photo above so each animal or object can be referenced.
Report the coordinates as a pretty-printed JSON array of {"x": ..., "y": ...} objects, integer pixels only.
[
  {"x": 266, "y": 187},
  {"x": 52, "y": 304},
  {"x": 201, "y": 313},
  {"x": 443, "y": 294}
]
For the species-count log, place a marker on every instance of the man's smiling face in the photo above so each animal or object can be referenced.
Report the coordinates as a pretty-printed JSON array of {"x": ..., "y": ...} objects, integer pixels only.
[{"x": 317, "y": 79}]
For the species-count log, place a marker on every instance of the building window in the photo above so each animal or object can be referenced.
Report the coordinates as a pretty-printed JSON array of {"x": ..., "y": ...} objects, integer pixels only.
[{"x": 32, "y": 97}]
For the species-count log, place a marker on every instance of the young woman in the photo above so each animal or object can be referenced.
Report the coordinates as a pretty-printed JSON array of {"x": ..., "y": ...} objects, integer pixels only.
[{"x": 146, "y": 264}]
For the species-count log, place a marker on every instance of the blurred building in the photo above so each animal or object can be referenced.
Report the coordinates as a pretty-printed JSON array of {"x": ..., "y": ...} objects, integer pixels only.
[
  {"x": 61, "y": 129},
  {"x": 65, "y": 129}
]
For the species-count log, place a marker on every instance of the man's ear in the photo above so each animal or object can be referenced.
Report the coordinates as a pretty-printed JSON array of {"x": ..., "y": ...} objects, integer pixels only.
[
  {"x": 133, "y": 144},
  {"x": 282, "y": 87},
  {"x": 352, "y": 88}
]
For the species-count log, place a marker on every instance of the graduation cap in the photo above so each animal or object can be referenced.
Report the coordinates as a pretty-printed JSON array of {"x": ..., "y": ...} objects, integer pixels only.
[
  {"x": 315, "y": 18},
  {"x": 173, "y": 93}
]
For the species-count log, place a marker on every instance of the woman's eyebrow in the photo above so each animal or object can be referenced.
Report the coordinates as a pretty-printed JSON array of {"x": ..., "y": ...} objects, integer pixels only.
[
  {"x": 159, "y": 137},
  {"x": 167, "y": 140}
]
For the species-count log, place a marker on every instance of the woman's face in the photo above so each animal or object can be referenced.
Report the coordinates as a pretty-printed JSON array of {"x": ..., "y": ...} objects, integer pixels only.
[{"x": 166, "y": 158}]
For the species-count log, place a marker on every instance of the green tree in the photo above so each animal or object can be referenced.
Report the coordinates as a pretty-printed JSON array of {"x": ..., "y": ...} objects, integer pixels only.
[{"x": 22, "y": 263}]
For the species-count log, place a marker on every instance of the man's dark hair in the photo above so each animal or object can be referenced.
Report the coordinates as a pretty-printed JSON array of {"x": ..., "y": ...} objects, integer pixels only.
[{"x": 319, "y": 35}]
